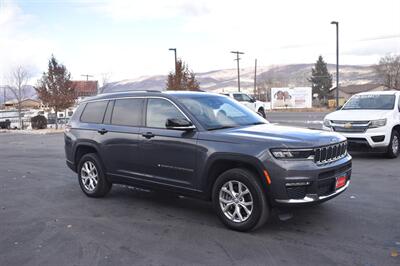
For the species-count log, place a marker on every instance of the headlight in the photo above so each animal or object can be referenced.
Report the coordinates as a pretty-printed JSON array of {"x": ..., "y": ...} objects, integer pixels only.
[
  {"x": 327, "y": 123},
  {"x": 305, "y": 154},
  {"x": 378, "y": 123}
]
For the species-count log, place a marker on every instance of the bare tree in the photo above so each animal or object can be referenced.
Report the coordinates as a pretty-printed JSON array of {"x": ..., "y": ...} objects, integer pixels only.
[
  {"x": 18, "y": 81},
  {"x": 105, "y": 79},
  {"x": 388, "y": 71}
]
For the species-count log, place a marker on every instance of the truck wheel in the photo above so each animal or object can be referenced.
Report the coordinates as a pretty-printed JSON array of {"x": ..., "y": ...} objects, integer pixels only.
[
  {"x": 261, "y": 112},
  {"x": 91, "y": 176},
  {"x": 394, "y": 145},
  {"x": 239, "y": 200}
]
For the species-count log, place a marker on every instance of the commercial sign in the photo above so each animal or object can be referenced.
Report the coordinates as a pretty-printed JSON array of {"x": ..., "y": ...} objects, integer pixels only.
[{"x": 296, "y": 97}]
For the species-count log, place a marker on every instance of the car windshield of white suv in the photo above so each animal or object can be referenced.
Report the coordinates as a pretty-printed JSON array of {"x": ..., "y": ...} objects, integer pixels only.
[
  {"x": 218, "y": 112},
  {"x": 370, "y": 101}
]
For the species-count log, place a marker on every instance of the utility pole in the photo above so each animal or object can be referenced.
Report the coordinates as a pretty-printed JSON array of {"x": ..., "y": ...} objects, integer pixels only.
[
  {"x": 337, "y": 62},
  {"x": 176, "y": 60},
  {"x": 87, "y": 76},
  {"x": 255, "y": 78},
  {"x": 238, "y": 68}
]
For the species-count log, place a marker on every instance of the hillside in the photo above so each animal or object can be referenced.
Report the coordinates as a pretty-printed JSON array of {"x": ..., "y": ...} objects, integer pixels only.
[{"x": 226, "y": 79}]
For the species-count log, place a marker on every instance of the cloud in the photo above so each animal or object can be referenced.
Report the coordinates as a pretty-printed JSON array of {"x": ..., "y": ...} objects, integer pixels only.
[{"x": 17, "y": 45}]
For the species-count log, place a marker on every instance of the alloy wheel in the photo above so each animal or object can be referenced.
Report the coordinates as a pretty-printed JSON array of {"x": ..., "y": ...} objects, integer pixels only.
[
  {"x": 395, "y": 144},
  {"x": 89, "y": 176},
  {"x": 236, "y": 201}
]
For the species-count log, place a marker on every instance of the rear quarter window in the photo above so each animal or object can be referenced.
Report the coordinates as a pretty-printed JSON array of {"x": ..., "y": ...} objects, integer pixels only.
[{"x": 94, "y": 112}]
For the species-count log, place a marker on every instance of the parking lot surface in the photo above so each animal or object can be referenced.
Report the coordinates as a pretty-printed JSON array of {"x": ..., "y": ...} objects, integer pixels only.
[{"x": 45, "y": 219}]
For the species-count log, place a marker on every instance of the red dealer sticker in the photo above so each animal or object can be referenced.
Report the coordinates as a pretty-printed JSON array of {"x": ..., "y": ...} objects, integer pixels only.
[{"x": 341, "y": 181}]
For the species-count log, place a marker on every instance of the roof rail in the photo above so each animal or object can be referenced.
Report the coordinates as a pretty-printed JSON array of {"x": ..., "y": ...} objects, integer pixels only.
[{"x": 128, "y": 91}]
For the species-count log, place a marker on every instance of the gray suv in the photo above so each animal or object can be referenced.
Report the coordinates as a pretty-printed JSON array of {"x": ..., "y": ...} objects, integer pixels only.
[{"x": 207, "y": 146}]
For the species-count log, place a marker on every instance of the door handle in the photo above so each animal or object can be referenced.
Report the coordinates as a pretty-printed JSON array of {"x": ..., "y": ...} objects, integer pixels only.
[
  {"x": 102, "y": 131},
  {"x": 148, "y": 135}
]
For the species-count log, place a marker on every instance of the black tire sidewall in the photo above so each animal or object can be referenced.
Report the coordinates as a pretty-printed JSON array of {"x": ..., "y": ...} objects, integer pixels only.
[
  {"x": 259, "y": 200},
  {"x": 103, "y": 186},
  {"x": 390, "y": 152},
  {"x": 262, "y": 112}
]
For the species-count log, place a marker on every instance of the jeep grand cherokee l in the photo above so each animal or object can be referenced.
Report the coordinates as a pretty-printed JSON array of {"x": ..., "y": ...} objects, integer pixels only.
[{"x": 207, "y": 146}]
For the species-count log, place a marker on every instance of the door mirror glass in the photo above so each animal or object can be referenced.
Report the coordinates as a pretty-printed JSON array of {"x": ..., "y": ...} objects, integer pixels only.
[{"x": 179, "y": 124}]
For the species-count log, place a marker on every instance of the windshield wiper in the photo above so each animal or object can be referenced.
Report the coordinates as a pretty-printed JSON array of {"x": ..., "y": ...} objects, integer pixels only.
[{"x": 222, "y": 127}]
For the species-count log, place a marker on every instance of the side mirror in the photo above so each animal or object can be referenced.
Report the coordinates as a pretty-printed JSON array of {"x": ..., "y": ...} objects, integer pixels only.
[
  {"x": 179, "y": 124},
  {"x": 252, "y": 100}
]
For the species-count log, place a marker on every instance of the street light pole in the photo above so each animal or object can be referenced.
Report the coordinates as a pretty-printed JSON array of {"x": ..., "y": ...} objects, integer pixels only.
[
  {"x": 176, "y": 60},
  {"x": 238, "y": 69},
  {"x": 337, "y": 62}
]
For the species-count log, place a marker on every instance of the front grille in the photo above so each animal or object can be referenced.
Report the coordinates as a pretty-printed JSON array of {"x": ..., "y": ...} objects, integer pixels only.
[
  {"x": 350, "y": 126},
  {"x": 330, "y": 153}
]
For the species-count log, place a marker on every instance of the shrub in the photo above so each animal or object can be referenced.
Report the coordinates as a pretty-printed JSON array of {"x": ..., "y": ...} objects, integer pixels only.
[{"x": 39, "y": 122}]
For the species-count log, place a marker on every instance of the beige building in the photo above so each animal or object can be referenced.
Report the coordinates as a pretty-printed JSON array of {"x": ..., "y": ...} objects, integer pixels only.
[
  {"x": 25, "y": 104},
  {"x": 345, "y": 92}
]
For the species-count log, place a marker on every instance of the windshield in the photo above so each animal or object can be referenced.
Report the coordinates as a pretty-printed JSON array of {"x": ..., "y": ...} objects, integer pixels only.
[
  {"x": 370, "y": 101},
  {"x": 217, "y": 112}
]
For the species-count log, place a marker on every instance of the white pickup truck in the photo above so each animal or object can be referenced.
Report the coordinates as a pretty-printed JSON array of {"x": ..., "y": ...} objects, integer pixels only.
[
  {"x": 370, "y": 121},
  {"x": 248, "y": 101}
]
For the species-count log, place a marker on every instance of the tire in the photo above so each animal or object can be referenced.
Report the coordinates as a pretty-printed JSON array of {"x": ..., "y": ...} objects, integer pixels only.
[
  {"x": 91, "y": 176},
  {"x": 259, "y": 210},
  {"x": 261, "y": 112},
  {"x": 394, "y": 145}
]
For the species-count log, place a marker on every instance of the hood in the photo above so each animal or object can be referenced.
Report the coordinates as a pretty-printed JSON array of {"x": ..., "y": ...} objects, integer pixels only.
[
  {"x": 358, "y": 115},
  {"x": 279, "y": 136}
]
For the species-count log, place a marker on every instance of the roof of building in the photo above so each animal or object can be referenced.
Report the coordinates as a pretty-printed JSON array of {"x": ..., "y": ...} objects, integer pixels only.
[
  {"x": 357, "y": 88},
  {"x": 15, "y": 101}
]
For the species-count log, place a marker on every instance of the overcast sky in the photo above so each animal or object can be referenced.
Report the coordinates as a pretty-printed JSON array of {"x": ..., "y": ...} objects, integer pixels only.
[{"x": 130, "y": 38}]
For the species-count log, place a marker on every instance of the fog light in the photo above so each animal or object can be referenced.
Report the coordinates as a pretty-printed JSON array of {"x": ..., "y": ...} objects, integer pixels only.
[{"x": 378, "y": 138}]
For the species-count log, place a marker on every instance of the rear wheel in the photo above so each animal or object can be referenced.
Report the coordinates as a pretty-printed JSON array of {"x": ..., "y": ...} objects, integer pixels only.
[
  {"x": 394, "y": 145},
  {"x": 239, "y": 200},
  {"x": 91, "y": 176}
]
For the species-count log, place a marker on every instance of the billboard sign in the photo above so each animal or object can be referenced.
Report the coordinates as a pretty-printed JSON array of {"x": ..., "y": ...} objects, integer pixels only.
[{"x": 296, "y": 97}]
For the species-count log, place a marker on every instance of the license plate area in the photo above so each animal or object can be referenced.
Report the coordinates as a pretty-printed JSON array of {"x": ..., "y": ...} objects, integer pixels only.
[{"x": 341, "y": 181}]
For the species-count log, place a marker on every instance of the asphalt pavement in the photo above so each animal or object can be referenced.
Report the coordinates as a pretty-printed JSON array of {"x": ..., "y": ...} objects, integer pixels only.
[{"x": 45, "y": 219}]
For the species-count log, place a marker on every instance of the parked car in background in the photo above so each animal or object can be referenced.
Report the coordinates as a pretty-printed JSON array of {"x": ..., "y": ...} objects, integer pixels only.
[
  {"x": 370, "y": 121},
  {"x": 248, "y": 101},
  {"x": 207, "y": 146}
]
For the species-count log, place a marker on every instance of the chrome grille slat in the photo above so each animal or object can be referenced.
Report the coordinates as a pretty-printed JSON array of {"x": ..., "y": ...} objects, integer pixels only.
[{"x": 330, "y": 153}]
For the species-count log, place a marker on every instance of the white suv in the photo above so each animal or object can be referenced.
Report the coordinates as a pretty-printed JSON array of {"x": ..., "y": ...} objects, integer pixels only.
[
  {"x": 369, "y": 120},
  {"x": 248, "y": 101}
]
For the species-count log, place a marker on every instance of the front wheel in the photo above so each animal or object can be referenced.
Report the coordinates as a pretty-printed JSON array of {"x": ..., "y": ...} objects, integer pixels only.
[
  {"x": 261, "y": 112},
  {"x": 394, "y": 145},
  {"x": 239, "y": 200}
]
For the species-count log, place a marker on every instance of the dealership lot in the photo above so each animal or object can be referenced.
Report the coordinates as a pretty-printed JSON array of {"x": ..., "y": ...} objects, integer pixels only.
[{"x": 45, "y": 219}]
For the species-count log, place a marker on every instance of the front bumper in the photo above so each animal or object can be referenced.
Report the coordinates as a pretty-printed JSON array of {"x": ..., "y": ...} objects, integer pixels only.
[
  {"x": 372, "y": 138},
  {"x": 296, "y": 183},
  {"x": 310, "y": 198}
]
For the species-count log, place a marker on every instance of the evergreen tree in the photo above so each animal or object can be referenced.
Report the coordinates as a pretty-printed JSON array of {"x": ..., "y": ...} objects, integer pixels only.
[
  {"x": 321, "y": 79},
  {"x": 183, "y": 79},
  {"x": 55, "y": 88}
]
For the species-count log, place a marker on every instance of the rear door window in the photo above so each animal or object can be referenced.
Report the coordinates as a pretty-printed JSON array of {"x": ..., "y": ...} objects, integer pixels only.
[
  {"x": 94, "y": 112},
  {"x": 128, "y": 112}
]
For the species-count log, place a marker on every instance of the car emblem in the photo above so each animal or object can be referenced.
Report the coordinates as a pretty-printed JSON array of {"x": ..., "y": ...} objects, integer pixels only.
[{"x": 348, "y": 125}]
